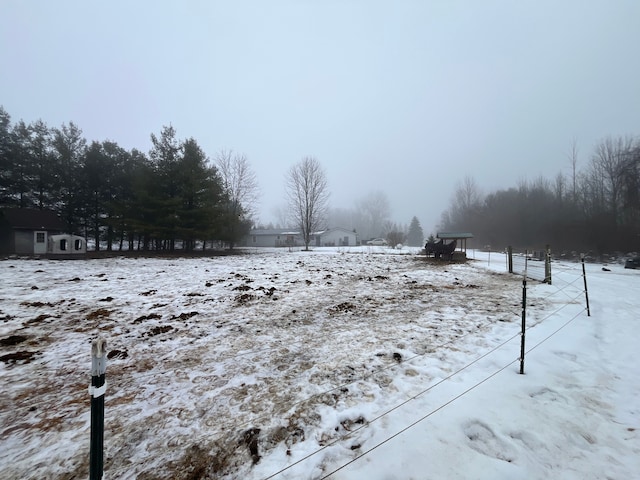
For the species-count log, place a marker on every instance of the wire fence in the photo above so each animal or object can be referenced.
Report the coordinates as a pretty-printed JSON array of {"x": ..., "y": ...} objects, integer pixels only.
[
  {"x": 563, "y": 289},
  {"x": 565, "y": 292},
  {"x": 535, "y": 265}
]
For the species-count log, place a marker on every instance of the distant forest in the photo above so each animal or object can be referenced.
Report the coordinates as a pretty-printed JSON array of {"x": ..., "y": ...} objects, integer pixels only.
[
  {"x": 594, "y": 209},
  {"x": 120, "y": 197},
  {"x": 174, "y": 194}
]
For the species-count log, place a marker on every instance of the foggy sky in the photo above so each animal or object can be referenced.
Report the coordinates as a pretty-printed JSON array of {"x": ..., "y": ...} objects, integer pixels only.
[{"x": 407, "y": 97}]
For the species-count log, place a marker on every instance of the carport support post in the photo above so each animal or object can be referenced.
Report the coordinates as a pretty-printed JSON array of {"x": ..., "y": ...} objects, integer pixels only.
[
  {"x": 524, "y": 316},
  {"x": 586, "y": 292},
  {"x": 96, "y": 390}
]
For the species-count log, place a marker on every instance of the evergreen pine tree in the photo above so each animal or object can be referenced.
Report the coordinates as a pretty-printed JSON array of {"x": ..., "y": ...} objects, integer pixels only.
[{"x": 415, "y": 237}]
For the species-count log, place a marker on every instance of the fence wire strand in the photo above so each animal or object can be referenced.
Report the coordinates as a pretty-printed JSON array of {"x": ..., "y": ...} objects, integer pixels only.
[
  {"x": 449, "y": 402},
  {"x": 431, "y": 387},
  {"x": 396, "y": 407}
]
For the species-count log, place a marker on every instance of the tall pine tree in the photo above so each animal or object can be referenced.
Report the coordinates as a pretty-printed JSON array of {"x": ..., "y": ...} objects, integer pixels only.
[{"x": 415, "y": 237}]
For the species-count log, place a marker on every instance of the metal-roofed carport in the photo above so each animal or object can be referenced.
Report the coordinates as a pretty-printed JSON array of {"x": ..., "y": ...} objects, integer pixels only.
[{"x": 459, "y": 237}]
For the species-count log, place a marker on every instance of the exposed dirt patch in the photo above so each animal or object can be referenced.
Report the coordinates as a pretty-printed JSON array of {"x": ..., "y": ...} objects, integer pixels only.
[
  {"x": 343, "y": 307},
  {"x": 185, "y": 316},
  {"x": 151, "y": 316},
  {"x": 158, "y": 330},
  {"x": 117, "y": 354},
  {"x": 243, "y": 288},
  {"x": 12, "y": 340},
  {"x": 40, "y": 304},
  {"x": 244, "y": 298},
  {"x": 39, "y": 318},
  {"x": 22, "y": 356},
  {"x": 250, "y": 437},
  {"x": 267, "y": 291},
  {"x": 99, "y": 313}
]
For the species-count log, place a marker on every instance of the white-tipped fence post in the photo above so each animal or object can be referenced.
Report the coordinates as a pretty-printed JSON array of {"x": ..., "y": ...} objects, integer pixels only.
[{"x": 97, "y": 390}]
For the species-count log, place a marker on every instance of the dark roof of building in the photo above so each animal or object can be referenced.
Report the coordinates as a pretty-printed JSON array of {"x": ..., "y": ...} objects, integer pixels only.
[
  {"x": 339, "y": 229},
  {"x": 273, "y": 231},
  {"x": 453, "y": 235},
  {"x": 32, "y": 219}
]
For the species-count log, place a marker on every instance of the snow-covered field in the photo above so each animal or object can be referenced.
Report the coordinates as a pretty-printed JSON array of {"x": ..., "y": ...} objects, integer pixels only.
[{"x": 348, "y": 363}]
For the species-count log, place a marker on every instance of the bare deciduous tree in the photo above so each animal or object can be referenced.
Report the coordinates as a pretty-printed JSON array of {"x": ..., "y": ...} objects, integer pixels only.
[
  {"x": 239, "y": 181},
  {"x": 307, "y": 194},
  {"x": 373, "y": 211},
  {"x": 466, "y": 200},
  {"x": 573, "y": 158},
  {"x": 610, "y": 163}
]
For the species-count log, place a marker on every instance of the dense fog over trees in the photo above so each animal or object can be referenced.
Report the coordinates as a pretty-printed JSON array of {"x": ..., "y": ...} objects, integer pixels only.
[
  {"x": 175, "y": 193},
  {"x": 595, "y": 208}
]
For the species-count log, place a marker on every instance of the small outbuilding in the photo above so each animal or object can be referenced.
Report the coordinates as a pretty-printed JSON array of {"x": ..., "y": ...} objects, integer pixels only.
[
  {"x": 460, "y": 252},
  {"x": 26, "y": 231}
]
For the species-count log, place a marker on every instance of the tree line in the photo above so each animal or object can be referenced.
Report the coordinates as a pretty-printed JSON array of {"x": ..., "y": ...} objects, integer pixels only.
[
  {"x": 173, "y": 194},
  {"x": 370, "y": 217},
  {"x": 596, "y": 208}
]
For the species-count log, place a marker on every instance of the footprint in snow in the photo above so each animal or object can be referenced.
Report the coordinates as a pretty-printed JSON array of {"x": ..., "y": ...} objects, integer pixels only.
[
  {"x": 483, "y": 440},
  {"x": 547, "y": 395}
]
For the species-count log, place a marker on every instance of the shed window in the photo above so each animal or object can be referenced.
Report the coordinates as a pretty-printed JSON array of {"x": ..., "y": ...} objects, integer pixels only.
[
  {"x": 39, "y": 237},
  {"x": 78, "y": 244},
  {"x": 63, "y": 244}
]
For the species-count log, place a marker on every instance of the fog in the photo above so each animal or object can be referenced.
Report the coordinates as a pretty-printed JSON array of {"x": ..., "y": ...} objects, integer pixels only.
[{"x": 406, "y": 97}]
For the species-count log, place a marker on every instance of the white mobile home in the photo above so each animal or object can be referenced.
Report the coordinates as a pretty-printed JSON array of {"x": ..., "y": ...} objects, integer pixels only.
[
  {"x": 335, "y": 237},
  {"x": 272, "y": 238}
]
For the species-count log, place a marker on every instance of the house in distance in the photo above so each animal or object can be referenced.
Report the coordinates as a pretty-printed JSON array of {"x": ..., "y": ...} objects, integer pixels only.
[
  {"x": 26, "y": 231},
  {"x": 332, "y": 237}
]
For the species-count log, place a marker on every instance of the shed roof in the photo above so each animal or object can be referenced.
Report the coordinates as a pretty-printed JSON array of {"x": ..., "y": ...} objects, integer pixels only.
[
  {"x": 32, "y": 219},
  {"x": 453, "y": 235}
]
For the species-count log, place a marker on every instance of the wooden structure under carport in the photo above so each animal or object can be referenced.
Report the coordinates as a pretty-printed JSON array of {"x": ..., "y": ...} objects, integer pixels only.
[{"x": 459, "y": 237}]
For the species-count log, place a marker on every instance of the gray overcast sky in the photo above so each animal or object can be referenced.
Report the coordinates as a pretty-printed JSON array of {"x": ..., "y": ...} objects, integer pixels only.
[{"x": 407, "y": 97}]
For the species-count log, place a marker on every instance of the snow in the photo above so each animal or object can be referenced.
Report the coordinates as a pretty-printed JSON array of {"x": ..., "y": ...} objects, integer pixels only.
[{"x": 343, "y": 362}]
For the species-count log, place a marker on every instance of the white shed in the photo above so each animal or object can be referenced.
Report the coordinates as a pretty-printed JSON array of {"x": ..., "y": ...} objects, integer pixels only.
[{"x": 66, "y": 244}]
